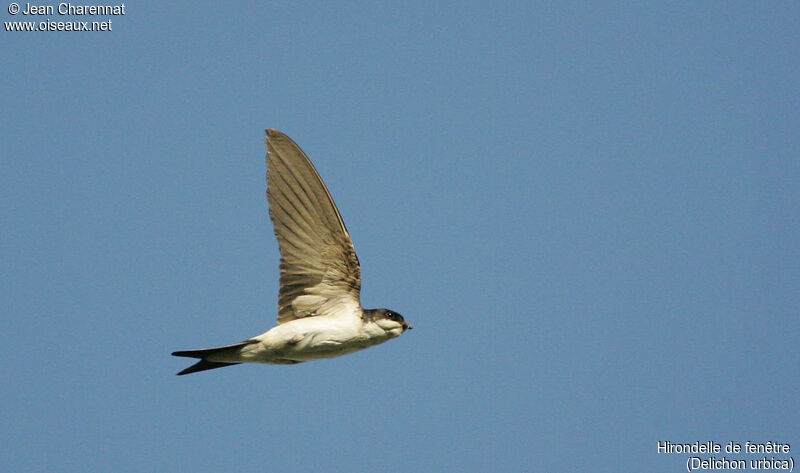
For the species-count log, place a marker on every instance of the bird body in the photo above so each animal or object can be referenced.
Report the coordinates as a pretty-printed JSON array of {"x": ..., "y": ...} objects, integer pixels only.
[{"x": 319, "y": 309}]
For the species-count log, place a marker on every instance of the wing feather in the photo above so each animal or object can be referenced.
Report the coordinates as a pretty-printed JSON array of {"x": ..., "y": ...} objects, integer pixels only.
[{"x": 320, "y": 271}]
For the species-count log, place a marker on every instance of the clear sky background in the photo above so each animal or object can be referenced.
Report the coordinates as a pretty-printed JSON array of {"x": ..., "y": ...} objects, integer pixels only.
[{"x": 589, "y": 212}]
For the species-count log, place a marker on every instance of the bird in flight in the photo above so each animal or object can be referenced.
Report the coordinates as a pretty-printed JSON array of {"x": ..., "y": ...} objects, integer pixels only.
[{"x": 319, "y": 301}]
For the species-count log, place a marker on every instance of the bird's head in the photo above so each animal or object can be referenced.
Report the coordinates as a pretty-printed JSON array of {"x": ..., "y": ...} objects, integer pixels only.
[{"x": 390, "y": 321}]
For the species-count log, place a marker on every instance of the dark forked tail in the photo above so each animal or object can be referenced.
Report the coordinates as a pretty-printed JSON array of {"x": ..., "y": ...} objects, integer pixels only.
[{"x": 203, "y": 353}]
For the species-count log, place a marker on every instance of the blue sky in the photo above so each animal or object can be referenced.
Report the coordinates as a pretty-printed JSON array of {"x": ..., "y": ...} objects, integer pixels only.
[{"x": 587, "y": 210}]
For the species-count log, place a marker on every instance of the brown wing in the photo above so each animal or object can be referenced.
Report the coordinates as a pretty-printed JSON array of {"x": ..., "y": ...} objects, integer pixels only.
[{"x": 320, "y": 272}]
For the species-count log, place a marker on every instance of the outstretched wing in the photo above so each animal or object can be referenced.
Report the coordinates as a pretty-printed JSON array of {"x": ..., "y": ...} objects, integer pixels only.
[{"x": 320, "y": 273}]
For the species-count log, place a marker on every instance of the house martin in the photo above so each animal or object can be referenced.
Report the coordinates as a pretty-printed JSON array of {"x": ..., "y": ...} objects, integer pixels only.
[{"x": 319, "y": 305}]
